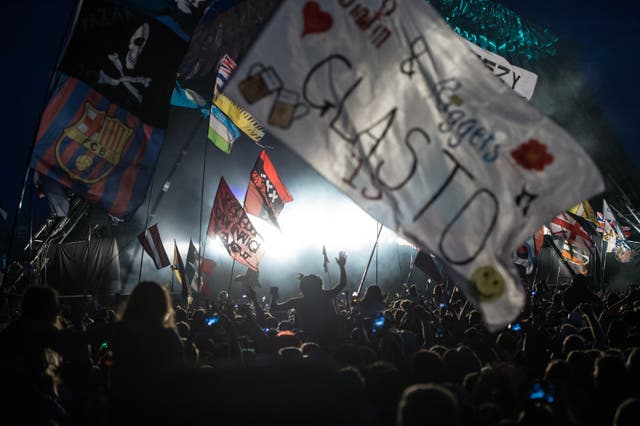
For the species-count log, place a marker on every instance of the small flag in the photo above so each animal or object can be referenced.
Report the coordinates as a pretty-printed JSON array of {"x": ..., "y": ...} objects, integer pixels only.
[
  {"x": 179, "y": 271},
  {"x": 226, "y": 119},
  {"x": 613, "y": 235},
  {"x": 187, "y": 98},
  {"x": 222, "y": 132},
  {"x": 600, "y": 222},
  {"x": 325, "y": 259},
  {"x": 191, "y": 268},
  {"x": 225, "y": 69},
  {"x": 266, "y": 194},
  {"x": 231, "y": 224},
  {"x": 585, "y": 210},
  {"x": 152, "y": 244},
  {"x": 566, "y": 227},
  {"x": 577, "y": 259},
  {"x": 208, "y": 265},
  {"x": 538, "y": 239},
  {"x": 425, "y": 263}
]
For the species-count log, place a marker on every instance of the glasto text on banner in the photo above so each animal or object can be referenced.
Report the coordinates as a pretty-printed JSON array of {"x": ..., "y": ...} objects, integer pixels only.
[{"x": 388, "y": 104}]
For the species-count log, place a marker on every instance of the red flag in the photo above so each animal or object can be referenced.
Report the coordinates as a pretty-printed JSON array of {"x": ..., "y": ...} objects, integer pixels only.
[
  {"x": 230, "y": 222},
  {"x": 208, "y": 265},
  {"x": 152, "y": 244},
  {"x": 538, "y": 240},
  {"x": 266, "y": 194}
]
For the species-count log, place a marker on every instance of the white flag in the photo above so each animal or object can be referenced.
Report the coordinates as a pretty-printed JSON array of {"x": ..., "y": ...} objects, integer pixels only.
[
  {"x": 388, "y": 104},
  {"x": 612, "y": 234}
]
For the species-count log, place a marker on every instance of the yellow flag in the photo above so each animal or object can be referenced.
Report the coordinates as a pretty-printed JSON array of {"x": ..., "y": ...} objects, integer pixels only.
[
  {"x": 239, "y": 116},
  {"x": 585, "y": 210}
]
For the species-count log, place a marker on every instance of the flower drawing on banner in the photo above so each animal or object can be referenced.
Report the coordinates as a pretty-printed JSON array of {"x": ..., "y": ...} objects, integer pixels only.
[
  {"x": 315, "y": 20},
  {"x": 532, "y": 155}
]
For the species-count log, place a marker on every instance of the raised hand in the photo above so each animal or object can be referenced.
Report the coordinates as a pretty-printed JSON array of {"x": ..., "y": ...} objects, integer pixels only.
[{"x": 341, "y": 260}]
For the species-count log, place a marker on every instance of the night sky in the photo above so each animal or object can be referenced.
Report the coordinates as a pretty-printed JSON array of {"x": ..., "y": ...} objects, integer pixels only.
[{"x": 605, "y": 38}]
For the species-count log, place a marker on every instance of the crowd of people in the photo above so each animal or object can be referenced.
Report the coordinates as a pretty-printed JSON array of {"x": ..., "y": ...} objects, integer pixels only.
[{"x": 419, "y": 357}]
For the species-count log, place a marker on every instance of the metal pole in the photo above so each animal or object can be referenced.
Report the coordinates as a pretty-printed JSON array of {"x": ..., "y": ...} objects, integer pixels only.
[
  {"x": 172, "y": 277},
  {"x": 233, "y": 265},
  {"x": 200, "y": 245},
  {"x": 624, "y": 217},
  {"x": 378, "y": 225},
  {"x": 146, "y": 226},
  {"x": 563, "y": 260},
  {"x": 366, "y": 269}
]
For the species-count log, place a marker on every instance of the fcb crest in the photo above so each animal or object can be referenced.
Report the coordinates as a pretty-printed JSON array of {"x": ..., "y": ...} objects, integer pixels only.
[{"x": 92, "y": 147}]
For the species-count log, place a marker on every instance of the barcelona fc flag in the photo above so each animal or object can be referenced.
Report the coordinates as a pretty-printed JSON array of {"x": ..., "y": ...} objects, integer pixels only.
[{"x": 95, "y": 148}]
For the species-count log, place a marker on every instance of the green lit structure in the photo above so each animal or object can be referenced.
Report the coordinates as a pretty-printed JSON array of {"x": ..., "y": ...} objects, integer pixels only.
[{"x": 496, "y": 28}]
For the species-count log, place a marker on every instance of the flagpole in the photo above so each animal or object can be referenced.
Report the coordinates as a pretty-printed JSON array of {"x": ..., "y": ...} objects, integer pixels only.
[
  {"x": 625, "y": 218},
  {"x": 412, "y": 261},
  {"x": 378, "y": 225},
  {"x": 634, "y": 215},
  {"x": 146, "y": 225},
  {"x": 172, "y": 276},
  {"x": 200, "y": 245},
  {"x": 603, "y": 259},
  {"x": 233, "y": 265},
  {"x": 366, "y": 269},
  {"x": 562, "y": 259}
]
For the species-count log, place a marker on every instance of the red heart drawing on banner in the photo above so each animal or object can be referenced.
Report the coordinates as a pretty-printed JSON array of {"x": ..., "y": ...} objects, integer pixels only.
[{"x": 315, "y": 20}]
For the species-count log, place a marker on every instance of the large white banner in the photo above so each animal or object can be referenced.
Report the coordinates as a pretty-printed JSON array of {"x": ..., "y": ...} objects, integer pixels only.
[{"x": 387, "y": 103}]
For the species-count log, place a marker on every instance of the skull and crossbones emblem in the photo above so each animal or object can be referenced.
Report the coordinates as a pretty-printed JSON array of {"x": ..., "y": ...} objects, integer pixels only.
[{"x": 137, "y": 44}]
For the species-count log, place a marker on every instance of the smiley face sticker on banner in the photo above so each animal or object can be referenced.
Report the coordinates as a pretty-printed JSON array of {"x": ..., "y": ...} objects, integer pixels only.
[{"x": 486, "y": 284}]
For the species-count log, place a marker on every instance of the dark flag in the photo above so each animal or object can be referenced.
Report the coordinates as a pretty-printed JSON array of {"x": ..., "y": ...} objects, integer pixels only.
[
  {"x": 100, "y": 134},
  {"x": 129, "y": 58},
  {"x": 191, "y": 268},
  {"x": 266, "y": 194},
  {"x": 179, "y": 271},
  {"x": 152, "y": 244},
  {"x": 230, "y": 222},
  {"x": 425, "y": 263}
]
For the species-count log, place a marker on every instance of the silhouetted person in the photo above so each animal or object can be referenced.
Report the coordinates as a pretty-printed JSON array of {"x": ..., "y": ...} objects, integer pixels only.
[
  {"x": 28, "y": 363},
  {"x": 146, "y": 349},
  {"x": 428, "y": 405},
  {"x": 372, "y": 303},
  {"x": 315, "y": 309}
]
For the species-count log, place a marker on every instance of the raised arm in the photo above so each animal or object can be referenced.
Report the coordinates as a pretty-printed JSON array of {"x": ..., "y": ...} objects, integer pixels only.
[
  {"x": 341, "y": 260},
  {"x": 275, "y": 306}
]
